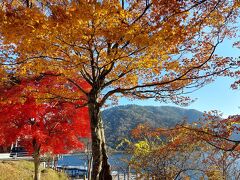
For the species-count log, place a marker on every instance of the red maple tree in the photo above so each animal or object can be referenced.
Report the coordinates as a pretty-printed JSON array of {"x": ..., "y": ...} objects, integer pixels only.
[{"x": 54, "y": 126}]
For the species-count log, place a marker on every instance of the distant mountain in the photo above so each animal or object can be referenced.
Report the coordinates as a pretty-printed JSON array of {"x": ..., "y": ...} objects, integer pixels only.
[{"x": 120, "y": 120}]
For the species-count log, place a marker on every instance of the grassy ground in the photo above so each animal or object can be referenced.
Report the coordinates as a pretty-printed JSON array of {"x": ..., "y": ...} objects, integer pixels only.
[{"x": 24, "y": 170}]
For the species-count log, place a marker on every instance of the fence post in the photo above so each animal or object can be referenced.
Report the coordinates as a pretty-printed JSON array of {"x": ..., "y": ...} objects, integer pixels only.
[{"x": 129, "y": 172}]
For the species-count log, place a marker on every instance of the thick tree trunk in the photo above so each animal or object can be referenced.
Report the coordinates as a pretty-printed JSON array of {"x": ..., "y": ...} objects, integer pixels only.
[
  {"x": 89, "y": 158},
  {"x": 36, "y": 168},
  {"x": 36, "y": 159},
  {"x": 100, "y": 166}
]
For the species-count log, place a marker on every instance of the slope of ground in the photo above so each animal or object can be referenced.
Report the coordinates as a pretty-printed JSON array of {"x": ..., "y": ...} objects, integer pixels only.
[{"x": 24, "y": 170}]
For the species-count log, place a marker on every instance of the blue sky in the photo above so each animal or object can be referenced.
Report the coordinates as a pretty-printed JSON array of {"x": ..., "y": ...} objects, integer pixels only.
[{"x": 215, "y": 96}]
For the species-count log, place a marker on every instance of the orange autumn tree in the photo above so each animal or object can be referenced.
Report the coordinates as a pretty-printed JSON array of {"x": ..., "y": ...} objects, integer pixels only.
[
  {"x": 218, "y": 132},
  {"x": 165, "y": 153},
  {"x": 136, "y": 49},
  {"x": 222, "y": 136},
  {"x": 208, "y": 148}
]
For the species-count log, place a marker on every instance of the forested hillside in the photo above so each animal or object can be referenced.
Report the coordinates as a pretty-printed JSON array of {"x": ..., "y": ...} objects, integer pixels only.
[{"x": 120, "y": 120}]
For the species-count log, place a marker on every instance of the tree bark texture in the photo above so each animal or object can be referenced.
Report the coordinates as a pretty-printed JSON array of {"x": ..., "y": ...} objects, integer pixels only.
[
  {"x": 36, "y": 159},
  {"x": 100, "y": 167}
]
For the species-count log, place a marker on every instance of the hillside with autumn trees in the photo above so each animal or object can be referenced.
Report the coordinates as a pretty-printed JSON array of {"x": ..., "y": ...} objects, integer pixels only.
[
  {"x": 120, "y": 120},
  {"x": 100, "y": 51}
]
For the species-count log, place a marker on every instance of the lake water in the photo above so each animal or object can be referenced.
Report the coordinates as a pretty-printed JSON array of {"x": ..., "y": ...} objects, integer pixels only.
[
  {"x": 118, "y": 164},
  {"x": 116, "y": 160}
]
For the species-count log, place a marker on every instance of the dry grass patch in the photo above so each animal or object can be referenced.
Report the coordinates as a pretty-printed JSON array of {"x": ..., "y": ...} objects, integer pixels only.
[{"x": 24, "y": 170}]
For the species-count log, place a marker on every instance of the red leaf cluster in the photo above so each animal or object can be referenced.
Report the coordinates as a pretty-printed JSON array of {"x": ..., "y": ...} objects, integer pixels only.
[{"x": 55, "y": 125}]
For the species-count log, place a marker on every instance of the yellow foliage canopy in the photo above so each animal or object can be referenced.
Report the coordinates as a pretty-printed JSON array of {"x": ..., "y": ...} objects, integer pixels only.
[{"x": 143, "y": 49}]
